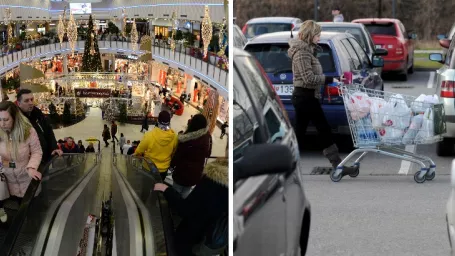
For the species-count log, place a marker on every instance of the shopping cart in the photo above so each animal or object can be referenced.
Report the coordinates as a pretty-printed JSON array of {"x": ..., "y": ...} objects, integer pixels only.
[{"x": 383, "y": 122}]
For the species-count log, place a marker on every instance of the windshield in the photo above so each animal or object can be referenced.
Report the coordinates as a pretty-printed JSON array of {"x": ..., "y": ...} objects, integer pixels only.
[
  {"x": 356, "y": 32},
  {"x": 274, "y": 57},
  {"x": 382, "y": 29},
  {"x": 257, "y": 29}
]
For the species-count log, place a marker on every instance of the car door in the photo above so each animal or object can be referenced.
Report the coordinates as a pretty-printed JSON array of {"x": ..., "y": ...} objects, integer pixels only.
[
  {"x": 259, "y": 202},
  {"x": 440, "y": 72},
  {"x": 373, "y": 78},
  {"x": 409, "y": 43},
  {"x": 354, "y": 61}
]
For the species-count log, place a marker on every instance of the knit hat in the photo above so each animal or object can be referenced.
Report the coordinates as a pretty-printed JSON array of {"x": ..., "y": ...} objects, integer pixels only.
[{"x": 164, "y": 118}]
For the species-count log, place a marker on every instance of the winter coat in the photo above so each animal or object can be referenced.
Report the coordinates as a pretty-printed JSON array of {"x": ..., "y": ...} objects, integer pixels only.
[
  {"x": 122, "y": 141},
  {"x": 159, "y": 146},
  {"x": 106, "y": 134},
  {"x": 306, "y": 68},
  {"x": 113, "y": 130},
  {"x": 44, "y": 131},
  {"x": 67, "y": 149},
  {"x": 29, "y": 155},
  {"x": 81, "y": 149},
  {"x": 90, "y": 149},
  {"x": 203, "y": 206},
  {"x": 189, "y": 158}
]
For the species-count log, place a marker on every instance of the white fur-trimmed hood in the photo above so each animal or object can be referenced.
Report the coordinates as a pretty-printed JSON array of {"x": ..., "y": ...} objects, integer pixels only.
[
  {"x": 218, "y": 171},
  {"x": 192, "y": 135}
]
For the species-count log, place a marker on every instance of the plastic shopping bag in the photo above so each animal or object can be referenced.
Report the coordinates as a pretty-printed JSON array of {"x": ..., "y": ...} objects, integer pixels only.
[
  {"x": 366, "y": 135},
  {"x": 377, "y": 111},
  {"x": 423, "y": 102},
  {"x": 398, "y": 114},
  {"x": 426, "y": 132},
  {"x": 414, "y": 128},
  {"x": 358, "y": 105},
  {"x": 391, "y": 135}
]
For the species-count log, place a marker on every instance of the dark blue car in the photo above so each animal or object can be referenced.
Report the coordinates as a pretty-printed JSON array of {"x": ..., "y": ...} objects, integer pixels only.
[{"x": 341, "y": 52}]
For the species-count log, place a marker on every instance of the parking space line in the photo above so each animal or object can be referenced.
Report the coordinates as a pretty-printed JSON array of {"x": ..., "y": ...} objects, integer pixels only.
[
  {"x": 430, "y": 80},
  {"x": 406, "y": 165}
]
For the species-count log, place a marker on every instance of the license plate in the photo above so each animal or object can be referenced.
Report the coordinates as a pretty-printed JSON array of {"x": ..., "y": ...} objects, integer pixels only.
[
  {"x": 284, "y": 89},
  {"x": 378, "y": 46}
]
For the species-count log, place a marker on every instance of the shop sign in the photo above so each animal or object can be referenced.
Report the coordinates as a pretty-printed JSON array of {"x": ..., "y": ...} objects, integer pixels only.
[{"x": 92, "y": 93}]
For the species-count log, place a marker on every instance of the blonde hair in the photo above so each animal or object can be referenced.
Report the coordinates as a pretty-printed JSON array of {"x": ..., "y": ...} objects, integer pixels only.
[
  {"x": 21, "y": 126},
  {"x": 308, "y": 30}
]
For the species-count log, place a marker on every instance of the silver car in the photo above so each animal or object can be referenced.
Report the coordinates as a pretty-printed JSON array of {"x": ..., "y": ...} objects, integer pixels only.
[
  {"x": 265, "y": 25},
  {"x": 445, "y": 89}
]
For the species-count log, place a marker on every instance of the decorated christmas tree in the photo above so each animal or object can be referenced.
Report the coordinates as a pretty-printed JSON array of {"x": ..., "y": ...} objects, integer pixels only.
[
  {"x": 123, "y": 116},
  {"x": 91, "y": 61},
  {"x": 67, "y": 113},
  {"x": 80, "y": 110}
]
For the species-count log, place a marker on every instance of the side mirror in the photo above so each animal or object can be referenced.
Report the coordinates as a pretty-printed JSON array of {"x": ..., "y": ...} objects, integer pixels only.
[
  {"x": 381, "y": 52},
  {"x": 445, "y": 43},
  {"x": 440, "y": 37},
  {"x": 412, "y": 36},
  {"x": 378, "y": 62},
  {"x": 436, "y": 57},
  {"x": 264, "y": 159}
]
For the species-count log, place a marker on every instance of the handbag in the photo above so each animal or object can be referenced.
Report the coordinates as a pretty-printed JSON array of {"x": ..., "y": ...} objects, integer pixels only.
[{"x": 4, "y": 191}]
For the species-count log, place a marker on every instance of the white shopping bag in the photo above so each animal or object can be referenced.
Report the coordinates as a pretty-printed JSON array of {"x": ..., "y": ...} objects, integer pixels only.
[
  {"x": 426, "y": 132},
  {"x": 358, "y": 105},
  {"x": 398, "y": 114},
  {"x": 423, "y": 102},
  {"x": 391, "y": 135},
  {"x": 414, "y": 128},
  {"x": 377, "y": 111}
]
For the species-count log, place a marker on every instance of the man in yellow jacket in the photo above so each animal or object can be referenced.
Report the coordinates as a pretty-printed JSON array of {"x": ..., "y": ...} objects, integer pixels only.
[{"x": 159, "y": 145}]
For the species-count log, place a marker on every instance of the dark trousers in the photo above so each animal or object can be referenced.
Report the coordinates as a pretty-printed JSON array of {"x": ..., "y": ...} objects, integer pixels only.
[
  {"x": 114, "y": 138},
  {"x": 308, "y": 108},
  {"x": 105, "y": 141},
  {"x": 121, "y": 150}
]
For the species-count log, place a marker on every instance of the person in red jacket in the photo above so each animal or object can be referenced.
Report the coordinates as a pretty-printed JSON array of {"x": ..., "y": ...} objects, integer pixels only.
[
  {"x": 70, "y": 146},
  {"x": 194, "y": 147},
  {"x": 114, "y": 131}
]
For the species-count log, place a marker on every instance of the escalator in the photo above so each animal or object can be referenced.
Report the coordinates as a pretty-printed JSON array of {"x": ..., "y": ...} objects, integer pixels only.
[{"x": 76, "y": 186}]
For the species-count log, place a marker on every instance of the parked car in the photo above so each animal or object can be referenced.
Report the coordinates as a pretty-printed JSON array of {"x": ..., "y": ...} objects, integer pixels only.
[
  {"x": 450, "y": 215},
  {"x": 239, "y": 39},
  {"x": 361, "y": 33},
  {"x": 391, "y": 34},
  {"x": 259, "y": 26},
  {"x": 340, "y": 53},
  {"x": 271, "y": 213},
  {"x": 445, "y": 88}
]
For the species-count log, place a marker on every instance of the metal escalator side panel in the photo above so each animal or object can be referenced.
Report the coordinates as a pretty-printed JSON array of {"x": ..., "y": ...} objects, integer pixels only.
[
  {"x": 129, "y": 225},
  {"x": 53, "y": 229}
]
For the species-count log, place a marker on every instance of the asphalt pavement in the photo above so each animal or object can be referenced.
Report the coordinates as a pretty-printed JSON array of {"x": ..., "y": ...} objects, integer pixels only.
[{"x": 383, "y": 211}]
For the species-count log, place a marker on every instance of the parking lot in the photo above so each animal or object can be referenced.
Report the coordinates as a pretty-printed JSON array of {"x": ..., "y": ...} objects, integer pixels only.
[{"x": 383, "y": 211}]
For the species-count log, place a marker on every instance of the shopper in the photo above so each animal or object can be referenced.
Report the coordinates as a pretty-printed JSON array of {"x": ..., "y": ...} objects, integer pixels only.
[
  {"x": 114, "y": 131},
  {"x": 159, "y": 144},
  {"x": 80, "y": 147},
  {"x": 308, "y": 79},
  {"x": 337, "y": 16},
  {"x": 194, "y": 147},
  {"x": 145, "y": 124},
  {"x": 106, "y": 135},
  {"x": 206, "y": 205},
  {"x": 20, "y": 152},
  {"x": 223, "y": 129},
  {"x": 25, "y": 101},
  {"x": 69, "y": 147},
  {"x": 90, "y": 148},
  {"x": 121, "y": 143},
  {"x": 133, "y": 148},
  {"x": 126, "y": 147}
]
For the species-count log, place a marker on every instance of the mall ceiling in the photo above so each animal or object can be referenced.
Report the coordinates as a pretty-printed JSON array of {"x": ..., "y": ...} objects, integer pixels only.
[{"x": 108, "y": 9}]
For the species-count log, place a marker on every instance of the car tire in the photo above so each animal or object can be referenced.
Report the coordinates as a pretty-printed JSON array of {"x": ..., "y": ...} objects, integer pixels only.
[
  {"x": 411, "y": 68},
  {"x": 404, "y": 76},
  {"x": 445, "y": 148}
]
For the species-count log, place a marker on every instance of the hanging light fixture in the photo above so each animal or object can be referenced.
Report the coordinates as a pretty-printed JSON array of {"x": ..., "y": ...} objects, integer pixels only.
[
  {"x": 174, "y": 28},
  {"x": 206, "y": 30},
  {"x": 124, "y": 23},
  {"x": 134, "y": 36},
  {"x": 72, "y": 33},
  {"x": 61, "y": 29}
]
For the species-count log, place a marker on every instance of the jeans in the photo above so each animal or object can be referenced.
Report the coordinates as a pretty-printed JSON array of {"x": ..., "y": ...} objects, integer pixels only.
[{"x": 183, "y": 190}]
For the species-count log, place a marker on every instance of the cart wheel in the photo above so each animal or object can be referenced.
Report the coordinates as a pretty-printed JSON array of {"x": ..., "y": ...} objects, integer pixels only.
[
  {"x": 431, "y": 176},
  {"x": 356, "y": 173},
  {"x": 417, "y": 179},
  {"x": 335, "y": 178}
]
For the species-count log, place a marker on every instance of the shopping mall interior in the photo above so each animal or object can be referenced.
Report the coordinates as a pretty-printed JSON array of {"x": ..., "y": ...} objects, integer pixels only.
[{"x": 93, "y": 64}]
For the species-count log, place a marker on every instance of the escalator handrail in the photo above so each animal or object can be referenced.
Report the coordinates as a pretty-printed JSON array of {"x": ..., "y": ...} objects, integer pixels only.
[{"x": 19, "y": 219}]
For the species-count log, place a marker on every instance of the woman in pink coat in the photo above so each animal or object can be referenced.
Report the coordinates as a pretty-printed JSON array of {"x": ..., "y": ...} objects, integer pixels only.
[{"x": 20, "y": 151}]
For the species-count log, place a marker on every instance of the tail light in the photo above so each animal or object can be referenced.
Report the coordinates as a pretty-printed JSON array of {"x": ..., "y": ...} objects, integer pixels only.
[
  {"x": 447, "y": 89},
  {"x": 399, "y": 50},
  {"x": 292, "y": 26},
  {"x": 244, "y": 29},
  {"x": 331, "y": 91}
]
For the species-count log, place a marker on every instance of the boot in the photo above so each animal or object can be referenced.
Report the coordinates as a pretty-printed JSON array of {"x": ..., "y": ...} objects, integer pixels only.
[{"x": 334, "y": 158}]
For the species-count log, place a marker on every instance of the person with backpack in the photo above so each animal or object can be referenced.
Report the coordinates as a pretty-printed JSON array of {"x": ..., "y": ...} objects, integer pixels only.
[
  {"x": 204, "y": 226},
  {"x": 106, "y": 135}
]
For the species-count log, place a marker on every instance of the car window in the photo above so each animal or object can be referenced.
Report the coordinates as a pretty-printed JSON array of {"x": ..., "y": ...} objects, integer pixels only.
[
  {"x": 451, "y": 32},
  {"x": 274, "y": 57},
  {"x": 403, "y": 30},
  {"x": 360, "y": 52},
  {"x": 257, "y": 29},
  {"x": 448, "y": 59},
  {"x": 382, "y": 29},
  {"x": 356, "y": 32},
  {"x": 353, "y": 58},
  {"x": 244, "y": 118}
]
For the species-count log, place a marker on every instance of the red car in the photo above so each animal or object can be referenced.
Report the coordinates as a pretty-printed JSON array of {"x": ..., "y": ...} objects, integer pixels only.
[{"x": 391, "y": 35}]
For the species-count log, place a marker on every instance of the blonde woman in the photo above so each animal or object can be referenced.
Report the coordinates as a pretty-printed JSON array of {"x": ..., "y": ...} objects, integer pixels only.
[
  {"x": 20, "y": 152},
  {"x": 308, "y": 80}
]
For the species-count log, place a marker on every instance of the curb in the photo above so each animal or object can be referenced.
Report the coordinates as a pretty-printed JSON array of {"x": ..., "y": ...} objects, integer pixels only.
[{"x": 425, "y": 69}]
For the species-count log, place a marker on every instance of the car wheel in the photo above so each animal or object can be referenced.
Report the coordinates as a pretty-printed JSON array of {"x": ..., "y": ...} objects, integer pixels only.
[
  {"x": 411, "y": 68},
  {"x": 445, "y": 148},
  {"x": 404, "y": 76}
]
